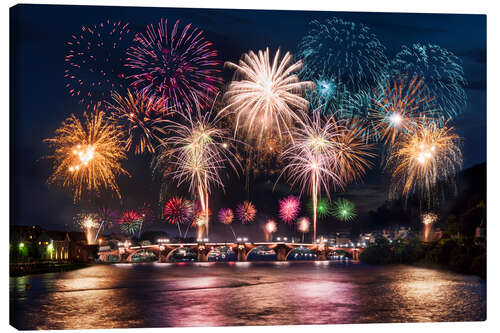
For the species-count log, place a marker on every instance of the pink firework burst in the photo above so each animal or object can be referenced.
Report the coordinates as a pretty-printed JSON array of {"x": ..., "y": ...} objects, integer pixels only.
[
  {"x": 246, "y": 212},
  {"x": 179, "y": 65},
  {"x": 289, "y": 208},
  {"x": 226, "y": 216}
]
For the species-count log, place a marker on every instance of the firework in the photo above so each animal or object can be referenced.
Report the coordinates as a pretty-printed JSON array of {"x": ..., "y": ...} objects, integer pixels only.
[
  {"x": 264, "y": 95},
  {"x": 345, "y": 50},
  {"x": 141, "y": 116},
  {"x": 328, "y": 92},
  {"x": 428, "y": 219},
  {"x": 289, "y": 208},
  {"x": 400, "y": 106},
  {"x": 312, "y": 160},
  {"x": 323, "y": 208},
  {"x": 270, "y": 229},
  {"x": 226, "y": 216},
  {"x": 95, "y": 61},
  {"x": 195, "y": 149},
  {"x": 441, "y": 71},
  {"x": 88, "y": 223},
  {"x": 357, "y": 108},
  {"x": 178, "y": 211},
  {"x": 303, "y": 226},
  {"x": 87, "y": 156},
  {"x": 180, "y": 66},
  {"x": 421, "y": 159},
  {"x": 344, "y": 210},
  {"x": 353, "y": 153},
  {"x": 131, "y": 222},
  {"x": 246, "y": 212}
]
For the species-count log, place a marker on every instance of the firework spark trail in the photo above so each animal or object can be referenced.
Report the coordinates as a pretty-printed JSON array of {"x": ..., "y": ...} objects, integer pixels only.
[
  {"x": 428, "y": 219},
  {"x": 400, "y": 105},
  {"x": 265, "y": 95},
  {"x": 180, "y": 66},
  {"x": 88, "y": 223},
  {"x": 344, "y": 210},
  {"x": 422, "y": 159},
  {"x": 303, "y": 226},
  {"x": 270, "y": 228},
  {"x": 131, "y": 222},
  {"x": 345, "y": 50},
  {"x": 95, "y": 61},
  {"x": 226, "y": 217},
  {"x": 141, "y": 116},
  {"x": 442, "y": 73},
  {"x": 87, "y": 156},
  {"x": 197, "y": 149}
]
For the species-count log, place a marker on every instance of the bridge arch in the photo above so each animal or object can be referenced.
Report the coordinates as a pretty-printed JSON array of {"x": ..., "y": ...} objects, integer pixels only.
[
  {"x": 260, "y": 247},
  {"x": 313, "y": 254}
]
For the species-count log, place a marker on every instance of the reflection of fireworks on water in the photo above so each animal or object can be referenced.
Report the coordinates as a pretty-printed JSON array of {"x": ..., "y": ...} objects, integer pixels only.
[
  {"x": 141, "y": 116},
  {"x": 265, "y": 94},
  {"x": 289, "y": 208},
  {"x": 95, "y": 61},
  {"x": 87, "y": 156},
  {"x": 442, "y": 73},
  {"x": 178, "y": 211},
  {"x": 399, "y": 106},
  {"x": 179, "y": 65},
  {"x": 344, "y": 210},
  {"x": 346, "y": 50},
  {"x": 420, "y": 160},
  {"x": 130, "y": 222},
  {"x": 246, "y": 212},
  {"x": 428, "y": 219},
  {"x": 226, "y": 216}
]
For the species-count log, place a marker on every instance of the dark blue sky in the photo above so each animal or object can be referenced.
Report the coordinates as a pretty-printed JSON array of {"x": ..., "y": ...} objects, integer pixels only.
[{"x": 40, "y": 102}]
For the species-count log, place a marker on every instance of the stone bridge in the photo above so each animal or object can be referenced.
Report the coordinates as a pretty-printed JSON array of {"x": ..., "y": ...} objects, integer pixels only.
[{"x": 202, "y": 250}]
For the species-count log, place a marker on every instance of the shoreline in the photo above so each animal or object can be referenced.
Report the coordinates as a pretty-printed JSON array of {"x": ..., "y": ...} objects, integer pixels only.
[{"x": 23, "y": 269}]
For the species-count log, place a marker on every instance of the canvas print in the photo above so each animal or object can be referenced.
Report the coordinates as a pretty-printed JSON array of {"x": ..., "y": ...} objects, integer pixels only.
[{"x": 223, "y": 167}]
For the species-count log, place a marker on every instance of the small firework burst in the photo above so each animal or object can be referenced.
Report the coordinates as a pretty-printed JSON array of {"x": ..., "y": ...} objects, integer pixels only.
[
  {"x": 178, "y": 211},
  {"x": 271, "y": 226},
  {"x": 429, "y": 218},
  {"x": 179, "y": 65},
  {"x": 95, "y": 61},
  {"x": 344, "y": 210},
  {"x": 246, "y": 212},
  {"x": 289, "y": 208},
  {"x": 226, "y": 216},
  {"x": 323, "y": 208},
  {"x": 141, "y": 116},
  {"x": 87, "y": 156},
  {"x": 130, "y": 222}
]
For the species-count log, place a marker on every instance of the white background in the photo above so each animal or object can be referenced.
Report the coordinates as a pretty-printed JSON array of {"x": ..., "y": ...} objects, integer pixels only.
[{"x": 490, "y": 8}]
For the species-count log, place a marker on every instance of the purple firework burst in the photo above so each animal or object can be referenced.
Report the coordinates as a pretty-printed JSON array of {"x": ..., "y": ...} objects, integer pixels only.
[{"x": 179, "y": 65}]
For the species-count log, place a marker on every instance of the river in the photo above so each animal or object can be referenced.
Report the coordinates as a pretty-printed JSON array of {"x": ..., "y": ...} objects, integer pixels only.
[{"x": 220, "y": 294}]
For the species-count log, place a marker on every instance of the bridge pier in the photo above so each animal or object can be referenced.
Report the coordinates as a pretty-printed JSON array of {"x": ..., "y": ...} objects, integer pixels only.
[
  {"x": 242, "y": 253},
  {"x": 202, "y": 255}
]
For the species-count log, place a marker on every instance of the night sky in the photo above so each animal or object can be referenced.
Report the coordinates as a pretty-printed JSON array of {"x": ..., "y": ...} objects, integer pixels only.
[{"x": 40, "y": 101}]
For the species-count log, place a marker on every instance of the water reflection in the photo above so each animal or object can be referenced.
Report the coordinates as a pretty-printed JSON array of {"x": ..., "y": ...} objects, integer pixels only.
[{"x": 242, "y": 293}]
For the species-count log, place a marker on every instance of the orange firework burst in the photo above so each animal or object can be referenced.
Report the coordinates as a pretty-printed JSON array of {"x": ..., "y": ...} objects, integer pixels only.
[
  {"x": 265, "y": 95},
  {"x": 423, "y": 158},
  {"x": 141, "y": 116},
  {"x": 87, "y": 156},
  {"x": 399, "y": 106}
]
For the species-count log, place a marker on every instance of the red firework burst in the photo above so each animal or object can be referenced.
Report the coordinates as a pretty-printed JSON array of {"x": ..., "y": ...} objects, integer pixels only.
[
  {"x": 179, "y": 65},
  {"x": 289, "y": 208},
  {"x": 178, "y": 211}
]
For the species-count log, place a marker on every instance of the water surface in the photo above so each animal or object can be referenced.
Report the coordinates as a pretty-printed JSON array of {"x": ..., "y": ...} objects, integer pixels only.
[{"x": 221, "y": 294}]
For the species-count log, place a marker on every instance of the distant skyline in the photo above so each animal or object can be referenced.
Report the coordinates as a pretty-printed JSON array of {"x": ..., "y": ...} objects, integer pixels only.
[{"x": 40, "y": 101}]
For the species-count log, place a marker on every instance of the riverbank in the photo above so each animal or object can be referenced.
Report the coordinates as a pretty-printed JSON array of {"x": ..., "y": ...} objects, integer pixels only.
[
  {"x": 460, "y": 255},
  {"x": 20, "y": 269}
]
